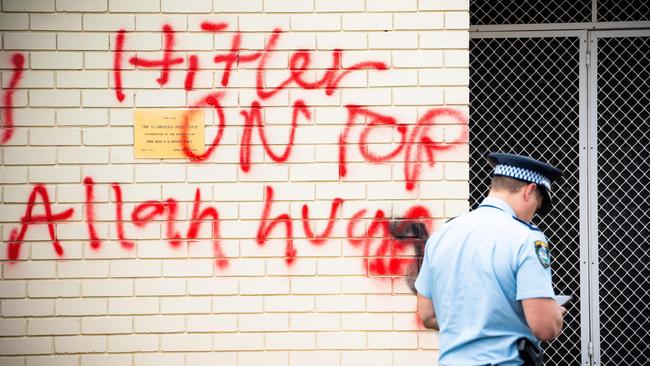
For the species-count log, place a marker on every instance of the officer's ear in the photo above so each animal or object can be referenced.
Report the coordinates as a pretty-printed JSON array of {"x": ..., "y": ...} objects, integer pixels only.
[{"x": 530, "y": 192}]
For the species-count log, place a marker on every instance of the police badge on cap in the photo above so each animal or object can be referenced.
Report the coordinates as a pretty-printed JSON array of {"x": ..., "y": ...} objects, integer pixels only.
[{"x": 529, "y": 170}]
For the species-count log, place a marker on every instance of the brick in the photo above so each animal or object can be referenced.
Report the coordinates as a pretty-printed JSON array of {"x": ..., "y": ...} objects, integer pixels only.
[
  {"x": 12, "y": 327},
  {"x": 391, "y": 5},
  {"x": 366, "y": 358},
  {"x": 109, "y": 22},
  {"x": 257, "y": 358},
  {"x": 29, "y": 156},
  {"x": 12, "y": 289},
  {"x": 141, "y": 6},
  {"x": 273, "y": 322},
  {"x": 80, "y": 344},
  {"x": 212, "y": 286},
  {"x": 58, "y": 360},
  {"x": 457, "y": 20},
  {"x": 35, "y": 117},
  {"x": 263, "y": 22},
  {"x": 78, "y": 117},
  {"x": 181, "y": 6},
  {"x": 418, "y": 96},
  {"x": 106, "y": 360},
  {"x": 56, "y": 60},
  {"x": 280, "y": 6},
  {"x": 384, "y": 303},
  {"x": 29, "y": 41},
  {"x": 256, "y": 286},
  {"x": 345, "y": 41},
  {"x": 84, "y": 79},
  {"x": 238, "y": 341},
  {"x": 186, "y": 342},
  {"x": 53, "y": 326},
  {"x": 91, "y": 155},
  {"x": 340, "y": 303},
  {"x": 315, "y": 322},
  {"x": 394, "y": 77},
  {"x": 237, "y": 6},
  {"x": 419, "y": 58},
  {"x": 55, "y": 136},
  {"x": 25, "y": 346},
  {"x": 444, "y": 39},
  {"x": 339, "y": 5},
  {"x": 82, "y": 6},
  {"x": 445, "y": 190},
  {"x": 306, "y": 22},
  {"x": 83, "y": 269},
  {"x": 54, "y": 98},
  {"x": 28, "y": 5},
  {"x": 30, "y": 270},
  {"x": 133, "y": 343},
  {"x": 80, "y": 307},
  {"x": 212, "y": 173},
  {"x": 188, "y": 268},
  {"x": 238, "y": 192},
  {"x": 457, "y": 95},
  {"x": 341, "y": 340},
  {"x": 237, "y": 304},
  {"x": 155, "y": 286},
  {"x": 366, "y": 322},
  {"x": 136, "y": 268},
  {"x": 59, "y": 21},
  {"x": 291, "y": 341},
  {"x": 13, "y": 360},
  {"x": 14, "y": 21},
  {"x": 13, "y": 175},
  {"x": 367, "y": 21},
  {"x": 444, "y": 77},
  {"x": 211, "y": 323},
  {"x": 315, "y": 285},
  {"x": 32, "y": 79},
  {"x": 107, "y": 287},
  {"x": 133, "y": 306},
  {"x": 160, "y": 359},
  {"x": 185, "y": 305},
  {"x": 171, "y": 173},
  {"x": 106, "y": 325},
  {"x": 205, "y": 358},
  {"x": 444, "y": 5},
  {"x": 54, "y": 288},
  {"x": 288, "y": 304},
  {"x": 160, "y": 98}
]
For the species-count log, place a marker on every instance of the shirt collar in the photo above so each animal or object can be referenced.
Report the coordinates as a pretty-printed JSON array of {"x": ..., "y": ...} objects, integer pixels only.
[{"x": 498, "y": 203}]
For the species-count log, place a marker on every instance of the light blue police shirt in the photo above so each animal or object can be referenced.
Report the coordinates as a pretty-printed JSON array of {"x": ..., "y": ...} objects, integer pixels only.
[{"x": 476, "y": 269}]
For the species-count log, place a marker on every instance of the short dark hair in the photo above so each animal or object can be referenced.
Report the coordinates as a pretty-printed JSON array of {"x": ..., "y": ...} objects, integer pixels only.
[{"x": 501, "y": 183}]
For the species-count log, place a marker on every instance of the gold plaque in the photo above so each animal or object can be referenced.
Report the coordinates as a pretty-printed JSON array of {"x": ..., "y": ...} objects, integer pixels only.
[{"x": 158, "y": 132}]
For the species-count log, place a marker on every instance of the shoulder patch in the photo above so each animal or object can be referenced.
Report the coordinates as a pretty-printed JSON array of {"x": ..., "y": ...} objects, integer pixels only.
[{"x": 541, "y": 249}]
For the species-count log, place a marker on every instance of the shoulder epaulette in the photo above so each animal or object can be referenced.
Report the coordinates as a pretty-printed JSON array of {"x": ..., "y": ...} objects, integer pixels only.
[{"x": 450, "y": 219}]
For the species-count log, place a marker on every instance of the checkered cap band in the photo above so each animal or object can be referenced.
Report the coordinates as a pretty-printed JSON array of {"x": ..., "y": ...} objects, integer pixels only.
[{"x": 523, "y": 174}]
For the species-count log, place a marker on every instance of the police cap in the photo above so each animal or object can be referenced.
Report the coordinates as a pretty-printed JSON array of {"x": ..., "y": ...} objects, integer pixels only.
[{"x": 529, "y": 170}]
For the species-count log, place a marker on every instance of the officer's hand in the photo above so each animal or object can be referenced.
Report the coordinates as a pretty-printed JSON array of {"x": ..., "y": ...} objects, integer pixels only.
[{"x": 564, "y": 310}]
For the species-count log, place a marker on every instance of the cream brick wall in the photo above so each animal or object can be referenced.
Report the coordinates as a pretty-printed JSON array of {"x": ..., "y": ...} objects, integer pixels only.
[{"x": 214, "y": 280}]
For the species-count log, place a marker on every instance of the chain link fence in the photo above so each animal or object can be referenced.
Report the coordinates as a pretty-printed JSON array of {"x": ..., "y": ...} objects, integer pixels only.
[
  {"x": 524, "y": 98},
  {"x": 623, "y": 119}
]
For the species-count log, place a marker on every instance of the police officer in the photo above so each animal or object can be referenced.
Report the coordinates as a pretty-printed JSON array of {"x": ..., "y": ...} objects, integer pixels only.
[{"x": 485, "y": 280}]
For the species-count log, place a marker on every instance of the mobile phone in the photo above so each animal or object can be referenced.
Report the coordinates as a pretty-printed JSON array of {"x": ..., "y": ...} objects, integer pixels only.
[{"x": 562, "y": 299}]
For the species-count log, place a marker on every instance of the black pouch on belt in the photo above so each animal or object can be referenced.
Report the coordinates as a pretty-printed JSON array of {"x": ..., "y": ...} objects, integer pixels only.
[{"x": 528, "y": 352}]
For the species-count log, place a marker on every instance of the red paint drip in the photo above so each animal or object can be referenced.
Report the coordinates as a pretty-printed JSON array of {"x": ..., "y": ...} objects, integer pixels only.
[
  {"x": 167, "y": 60},
  {"x": 16, "y": 237},
  {"x": 18, "y": 60},
  {"x": 117, "y": 64},
  {"x": 322, "y": 238},
  {"x": 95, "y": 242},
  {"x": 196, "y": 221},
  {"x": 120, "y": 223},
  {"x": 266, "y": 228}
]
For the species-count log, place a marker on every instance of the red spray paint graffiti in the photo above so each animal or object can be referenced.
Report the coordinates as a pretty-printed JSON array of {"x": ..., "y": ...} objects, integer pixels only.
[
  {"x": 18, "y": 61},
  {"x": 383, "y": 254}
]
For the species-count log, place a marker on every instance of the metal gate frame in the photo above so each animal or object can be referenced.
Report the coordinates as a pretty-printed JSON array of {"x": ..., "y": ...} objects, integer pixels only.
[
  {"x": 584, "y": 176},
  {"x": 592, "y": 184},
  {"x": 588, "y": 174}
]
